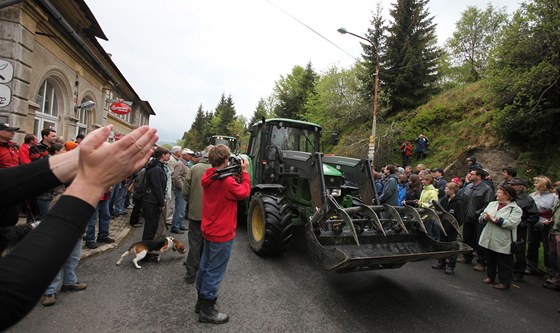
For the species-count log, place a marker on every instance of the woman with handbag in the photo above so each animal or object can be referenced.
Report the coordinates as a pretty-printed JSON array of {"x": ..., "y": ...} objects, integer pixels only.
[{"x": 501, "y": 218}]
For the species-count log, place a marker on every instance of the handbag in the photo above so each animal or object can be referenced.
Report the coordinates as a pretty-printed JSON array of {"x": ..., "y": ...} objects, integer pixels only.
[{"x": 517, "y": 247}]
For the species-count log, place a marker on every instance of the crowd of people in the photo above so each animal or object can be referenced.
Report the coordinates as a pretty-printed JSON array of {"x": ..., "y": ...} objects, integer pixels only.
[
  {"x": 164, "y": 190},
  {"x": 497, "y": 219},
  {"x": 503, "y": 223}
]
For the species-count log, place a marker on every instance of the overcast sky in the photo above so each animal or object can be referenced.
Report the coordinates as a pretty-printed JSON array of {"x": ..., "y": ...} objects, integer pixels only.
[{"x": 180, "y": 54}]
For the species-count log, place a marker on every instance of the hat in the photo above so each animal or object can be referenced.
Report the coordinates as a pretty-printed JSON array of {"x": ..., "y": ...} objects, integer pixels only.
[
  {"x": 187, "y": 151},
  {"x": 456, "y": 180},
  {"x": 6, "y": 127},
  {"x": 516, "y": 181},
  {"x": 197, "y": 154},
  {"x": 69, "y": 145},
  {"x": 509, "y": 190}
]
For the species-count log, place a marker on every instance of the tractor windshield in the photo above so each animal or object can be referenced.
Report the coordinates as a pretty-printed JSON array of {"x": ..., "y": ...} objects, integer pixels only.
[{"x": 292, "y": 138}]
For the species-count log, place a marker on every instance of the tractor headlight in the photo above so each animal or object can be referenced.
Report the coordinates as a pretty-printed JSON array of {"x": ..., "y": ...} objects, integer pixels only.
[{"x": 336, "y": 192}]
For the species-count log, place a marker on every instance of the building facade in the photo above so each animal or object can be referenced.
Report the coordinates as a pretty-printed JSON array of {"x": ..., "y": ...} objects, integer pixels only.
[{"x": 55, "y": 74}]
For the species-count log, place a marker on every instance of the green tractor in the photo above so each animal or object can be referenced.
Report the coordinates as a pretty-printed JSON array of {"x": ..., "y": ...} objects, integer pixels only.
[
  {"x": 334, "y": 198},
  {"x": 229, "y": 141}
]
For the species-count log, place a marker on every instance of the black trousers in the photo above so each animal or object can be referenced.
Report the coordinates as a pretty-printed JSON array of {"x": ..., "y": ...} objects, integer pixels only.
[
  {"x": 471, "y": 235},
  {"x": 151, "y": 219},
  {"x": 136, "y": 210},
  {"x": 520, "y": 262},
  {"x": 499, "y": 263},
  {"x": 534, "y": 240},
  {"x": 9, "y": 216}
]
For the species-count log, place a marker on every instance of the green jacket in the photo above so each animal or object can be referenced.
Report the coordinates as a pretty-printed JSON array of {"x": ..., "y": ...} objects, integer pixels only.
[
  {"x": 192, "y": 190},
  {"x": 498, "y": 236}
]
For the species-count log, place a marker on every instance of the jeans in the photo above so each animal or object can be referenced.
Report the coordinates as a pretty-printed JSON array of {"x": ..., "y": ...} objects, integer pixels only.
[
  {"x": 118, "y": 195},
  {"x": 101, "y": 211},
  {"x": 68, "y": 269},
  {"x": 178, "y": 213},
  {"x": 213, "y": 264},
  {"x": 43, "y": 206},
  {"x": 433, "y": 230}
]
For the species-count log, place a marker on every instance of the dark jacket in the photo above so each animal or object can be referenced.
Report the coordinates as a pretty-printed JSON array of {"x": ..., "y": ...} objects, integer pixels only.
[
  {"x": 473, "y": 201},
  {"x": 440, "y": 184},
  {"x": 412, "y": 193},
  {"x": 530, "y": 215},
  {"x": 156, "y": 183},
  {"x": 453, "y": 206},
  {"x": 390, "y": 193}
]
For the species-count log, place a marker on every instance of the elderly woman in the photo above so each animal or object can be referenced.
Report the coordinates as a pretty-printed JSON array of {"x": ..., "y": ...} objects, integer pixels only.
[{"x": 501, "y": 217}]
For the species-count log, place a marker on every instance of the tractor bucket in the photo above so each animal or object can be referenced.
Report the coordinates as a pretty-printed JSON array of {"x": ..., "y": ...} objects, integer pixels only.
[{"x": 377, "y": 237}]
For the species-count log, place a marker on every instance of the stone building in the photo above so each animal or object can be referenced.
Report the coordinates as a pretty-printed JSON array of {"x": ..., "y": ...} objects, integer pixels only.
[{"x": 54, "y": 73}]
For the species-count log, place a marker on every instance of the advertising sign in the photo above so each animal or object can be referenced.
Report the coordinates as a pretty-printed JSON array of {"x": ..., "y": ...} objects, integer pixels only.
[{"x": 119, "y": 107}]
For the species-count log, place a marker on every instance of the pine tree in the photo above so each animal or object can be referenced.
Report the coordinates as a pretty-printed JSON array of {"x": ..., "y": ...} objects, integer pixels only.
[
  {"x": 366, "y": 68},
  {"x": 411, "y": 56},
  {"x": 293, "y": 91},
  {"x": 195, "y": 137},
  {"x": 224, "y": 116}
]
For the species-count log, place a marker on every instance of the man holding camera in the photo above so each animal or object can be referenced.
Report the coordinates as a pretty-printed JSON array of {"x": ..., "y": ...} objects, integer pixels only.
[{"x": 219, "y": 220}]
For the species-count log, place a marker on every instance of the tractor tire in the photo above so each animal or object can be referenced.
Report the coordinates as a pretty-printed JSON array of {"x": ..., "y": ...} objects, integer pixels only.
[{"x": 269, "y": 224}]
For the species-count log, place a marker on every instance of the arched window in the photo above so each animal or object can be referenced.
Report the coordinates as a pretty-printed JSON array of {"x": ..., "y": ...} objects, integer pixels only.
[
  {"x": 47, "y": 115},
  {"x": 82, "y": 127}
]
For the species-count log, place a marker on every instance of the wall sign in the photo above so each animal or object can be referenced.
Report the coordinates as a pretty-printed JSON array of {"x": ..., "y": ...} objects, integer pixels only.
[{"x": 119, "y": 107}]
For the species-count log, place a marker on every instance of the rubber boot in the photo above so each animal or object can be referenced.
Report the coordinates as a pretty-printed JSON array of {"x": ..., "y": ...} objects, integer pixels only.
[{"x": 208, "y": 313}]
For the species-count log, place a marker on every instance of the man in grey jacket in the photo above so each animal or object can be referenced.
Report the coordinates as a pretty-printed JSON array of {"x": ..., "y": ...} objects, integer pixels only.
[
  {"x": 192, "y": 192},
  {"x": 390, "y": 193}
]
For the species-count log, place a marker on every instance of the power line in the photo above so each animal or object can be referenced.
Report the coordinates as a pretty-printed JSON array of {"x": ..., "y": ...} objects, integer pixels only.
[{"x": 308, "y": 27}]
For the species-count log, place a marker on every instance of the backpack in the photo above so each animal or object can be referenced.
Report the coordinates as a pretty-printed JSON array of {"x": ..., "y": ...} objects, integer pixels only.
[{"x": 140, "y": 184}]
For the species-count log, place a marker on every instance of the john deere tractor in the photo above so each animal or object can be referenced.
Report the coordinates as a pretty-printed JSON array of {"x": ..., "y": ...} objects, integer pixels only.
[{"x": 334, "y": 198}]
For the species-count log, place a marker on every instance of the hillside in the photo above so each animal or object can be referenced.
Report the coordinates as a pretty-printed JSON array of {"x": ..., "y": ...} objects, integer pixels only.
[{"x": 458, "y": 123}]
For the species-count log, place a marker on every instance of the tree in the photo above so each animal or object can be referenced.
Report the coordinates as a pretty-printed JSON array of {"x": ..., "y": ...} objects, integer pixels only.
[
  {"x": 411, "y": 56},
  {"x": 195, "y": 137},
  {"x": 264, "y": 109},
  {"x": 224, "y": 116},
  {"x": 476, "y": 34},
  {"x": 525, "y": 75},
  {"x": 293, "y": 91},
  {"x": 366, "y": 68}
]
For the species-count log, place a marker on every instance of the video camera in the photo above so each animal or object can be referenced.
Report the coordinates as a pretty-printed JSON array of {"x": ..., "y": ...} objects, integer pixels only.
[{"x": 234, "y": 168}]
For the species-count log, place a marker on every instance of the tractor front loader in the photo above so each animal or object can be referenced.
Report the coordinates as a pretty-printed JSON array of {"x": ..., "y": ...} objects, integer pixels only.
[{"x": 334, "y": 198}]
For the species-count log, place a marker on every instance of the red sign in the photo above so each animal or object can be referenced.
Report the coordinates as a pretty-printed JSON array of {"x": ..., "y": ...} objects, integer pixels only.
[
  {"x": 118, "y": 136},
  {"x": 119, "y": 107}
]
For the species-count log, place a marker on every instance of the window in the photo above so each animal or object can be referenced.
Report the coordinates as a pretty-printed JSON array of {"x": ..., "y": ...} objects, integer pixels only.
[
  {"x": 48, "y": 100},
  {"x": 83, "y": 116}
]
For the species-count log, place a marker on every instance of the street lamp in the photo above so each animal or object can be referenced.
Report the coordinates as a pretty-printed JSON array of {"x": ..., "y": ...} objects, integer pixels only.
[{"x": 371, "y": 152}]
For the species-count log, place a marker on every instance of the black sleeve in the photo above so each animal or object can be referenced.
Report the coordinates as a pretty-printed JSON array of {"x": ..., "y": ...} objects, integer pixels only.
[
  {"x": 25, "y": 181},
  {"x": 28, "y": 270}
]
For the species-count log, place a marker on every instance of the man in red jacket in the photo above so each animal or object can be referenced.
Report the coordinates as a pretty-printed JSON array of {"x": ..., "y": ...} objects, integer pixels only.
[{"x": 219, "y": 220}]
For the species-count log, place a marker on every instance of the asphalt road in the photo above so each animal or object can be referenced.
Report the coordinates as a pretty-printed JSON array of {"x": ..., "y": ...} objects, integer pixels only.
[{"x": 291, "y": 294}]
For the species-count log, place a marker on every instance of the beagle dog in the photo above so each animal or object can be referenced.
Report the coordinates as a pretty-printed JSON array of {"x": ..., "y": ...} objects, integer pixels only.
[{"x": 142, "y": 248}]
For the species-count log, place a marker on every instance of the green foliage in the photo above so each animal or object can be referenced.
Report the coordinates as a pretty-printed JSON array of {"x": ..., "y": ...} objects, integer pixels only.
[
  {"x": 411, "y": 56},
  {"x": 525, "y": 72},
  {"x": 293, "y": 91},
  {"x": 476, "y": 34}
]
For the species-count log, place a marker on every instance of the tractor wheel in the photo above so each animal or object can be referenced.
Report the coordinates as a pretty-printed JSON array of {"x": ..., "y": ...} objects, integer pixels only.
[{"x": 269, "y": 224}]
